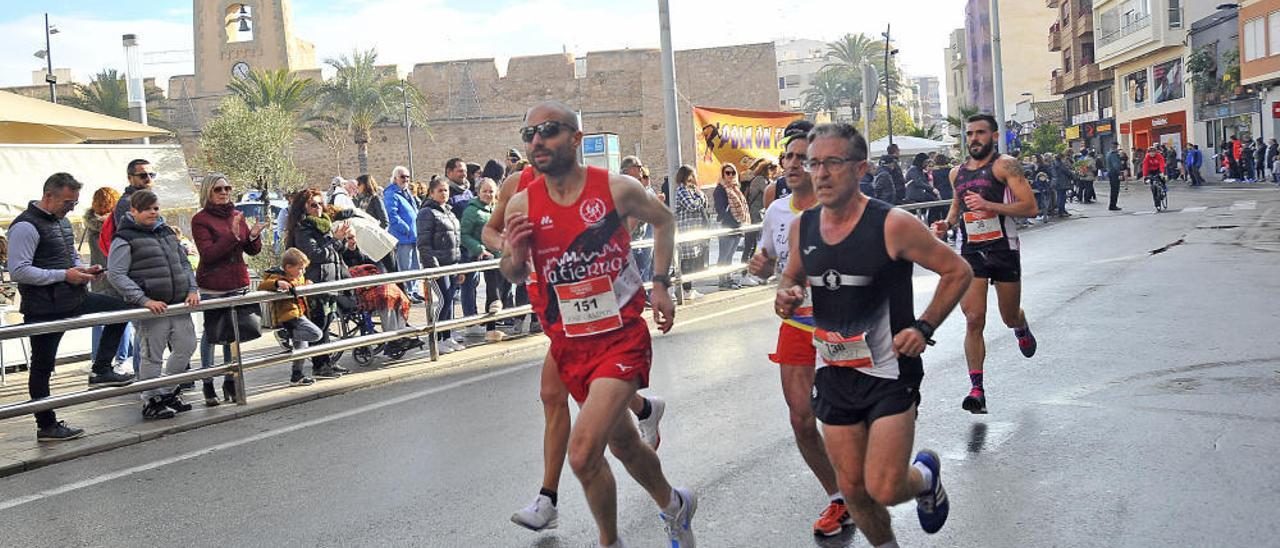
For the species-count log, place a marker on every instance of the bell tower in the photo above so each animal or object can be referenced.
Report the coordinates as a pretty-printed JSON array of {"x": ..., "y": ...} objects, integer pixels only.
[{"x": 233, "y": 37}]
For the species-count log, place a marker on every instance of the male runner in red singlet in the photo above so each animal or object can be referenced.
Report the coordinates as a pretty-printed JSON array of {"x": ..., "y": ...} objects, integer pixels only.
[
  {"x": 990, "y": 191},
  {"x": 542, "y": 513},
  {"x": 571, "y": 224},
  {"x": 795, "y": 353}
]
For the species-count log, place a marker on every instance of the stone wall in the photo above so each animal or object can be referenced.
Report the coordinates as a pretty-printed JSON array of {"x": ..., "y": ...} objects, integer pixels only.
[{"x": 476, "y": 115}]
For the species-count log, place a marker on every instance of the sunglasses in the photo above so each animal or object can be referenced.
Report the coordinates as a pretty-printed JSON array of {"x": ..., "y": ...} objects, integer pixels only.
[
  {"x": 730, "y": 172},
  {"x": 546, "y": 130},
  {"x": 145, "y": 175}
]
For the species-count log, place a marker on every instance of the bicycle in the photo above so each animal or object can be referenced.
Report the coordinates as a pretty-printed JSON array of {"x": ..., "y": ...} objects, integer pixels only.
[{"x": 1159, "y": 192}]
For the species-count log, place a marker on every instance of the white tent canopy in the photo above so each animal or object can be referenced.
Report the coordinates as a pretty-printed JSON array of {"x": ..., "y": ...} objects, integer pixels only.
[{"x": 907, "y": 145}]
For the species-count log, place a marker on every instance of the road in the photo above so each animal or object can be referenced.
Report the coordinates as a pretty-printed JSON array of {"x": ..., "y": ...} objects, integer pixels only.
[{"x": 1148, "y": 418}]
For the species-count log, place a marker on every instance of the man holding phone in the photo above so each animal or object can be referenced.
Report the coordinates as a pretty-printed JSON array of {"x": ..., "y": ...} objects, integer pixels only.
[{"x": 52, "y": 281}]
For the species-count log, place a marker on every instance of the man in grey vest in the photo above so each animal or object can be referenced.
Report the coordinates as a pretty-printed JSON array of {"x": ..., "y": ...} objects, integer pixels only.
[
  {"x": 148, "y": 267},
  {"x": 52, "y": 281}
]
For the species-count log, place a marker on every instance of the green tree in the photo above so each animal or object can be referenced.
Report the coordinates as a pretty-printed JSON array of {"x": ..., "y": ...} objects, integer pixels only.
[
  {"x": 360, "y": 95},
  {"x": 902, "y": 124},
  {"x": 252, "y": 147},
  {"x": 826, "y": 93},
  {"x": 106, "y": 93},
  {"x": 932, "y": 132},
  {"x": 282, "y": 88},
  {"x": 1046, "y": 138},
  {"x": 847, "y": 55},
  {"x": 959, "y": 122}
]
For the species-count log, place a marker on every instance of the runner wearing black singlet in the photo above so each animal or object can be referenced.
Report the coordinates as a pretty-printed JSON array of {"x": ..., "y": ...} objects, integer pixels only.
[
  {"x": 990, "y": 192},
  {"x": 857, "y": 255}
]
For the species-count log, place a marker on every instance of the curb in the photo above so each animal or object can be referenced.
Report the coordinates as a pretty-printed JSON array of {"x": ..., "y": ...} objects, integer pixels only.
[{"x": 279, "y": 398}]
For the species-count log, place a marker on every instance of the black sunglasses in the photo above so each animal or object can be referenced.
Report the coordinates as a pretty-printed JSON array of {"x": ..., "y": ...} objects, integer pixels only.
[
  {"x": 145, "y": 175},
  {"x": 547, "y": 130}
]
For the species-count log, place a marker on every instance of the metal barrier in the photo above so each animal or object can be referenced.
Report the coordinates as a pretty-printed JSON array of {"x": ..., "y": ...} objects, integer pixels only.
[{"x": 240, "y": 364}]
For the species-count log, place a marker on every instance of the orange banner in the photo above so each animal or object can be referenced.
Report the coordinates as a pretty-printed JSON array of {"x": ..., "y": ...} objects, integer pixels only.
[{"x": 732, "y": 136}]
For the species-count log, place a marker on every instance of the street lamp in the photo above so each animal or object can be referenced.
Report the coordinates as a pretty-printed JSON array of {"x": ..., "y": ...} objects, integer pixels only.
[
  {"x": 888, "y": 91},
  {"x": 48, "y": 57}
]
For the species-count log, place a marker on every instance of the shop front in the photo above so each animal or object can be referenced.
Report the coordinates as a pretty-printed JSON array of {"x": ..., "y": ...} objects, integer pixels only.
[{"x": 1169, "y": 129}]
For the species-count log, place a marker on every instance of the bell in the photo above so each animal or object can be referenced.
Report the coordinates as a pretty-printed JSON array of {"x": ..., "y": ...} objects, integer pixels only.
[
  {"x": 244, "y": 24},
  {"x": 243, "y": 10}
]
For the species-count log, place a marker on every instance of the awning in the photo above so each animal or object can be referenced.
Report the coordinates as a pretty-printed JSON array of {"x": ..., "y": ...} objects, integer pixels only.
[{"x": 24, "y": 120}]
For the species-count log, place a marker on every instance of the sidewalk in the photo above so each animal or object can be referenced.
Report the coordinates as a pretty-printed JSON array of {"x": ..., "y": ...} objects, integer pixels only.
[{"x": 118, "y": 422}]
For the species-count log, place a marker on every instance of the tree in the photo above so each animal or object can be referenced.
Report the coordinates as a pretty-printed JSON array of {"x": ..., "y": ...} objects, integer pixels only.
[
  {"x": 360, "y": 95},
  {"x": 902, "y": 124},
  {"x": 931, "y": 132},
  {"x": 252, "y": 147},
  {"x": 959, "y": 122},
  {"x": 1046, "y": 138},
  {"x": 826, "y": 93},
  {"x": 848, "y": 54},
  {"x": 108, "y": 94},
  {"x": 262, "y": 88}
]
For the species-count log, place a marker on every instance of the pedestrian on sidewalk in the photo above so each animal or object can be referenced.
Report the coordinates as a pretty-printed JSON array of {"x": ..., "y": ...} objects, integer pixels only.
[
  {"x": 731, "y": 212},
  {"x": 1260, "y": 159},
  {"x": 497, "y": 290},
  {"x": 1064, "y": 179},
  {"x": 691, "y": 215},
  {"x": 291, "y": 314},
  {"x": 1115, "y": 165},
  {"x": 104, "y": 201},
  {"x": 330, "y": 249},
  {"x": 147, "y": 265},
  {"x": 223, "y": 237},
  {"x": 460, "y": 197},
  {"x": 402, "y": 214},
  {"x": 440, "y": 244},
  {"x": 1195, "y": 159},
  {"x": 53, "y": 284}
]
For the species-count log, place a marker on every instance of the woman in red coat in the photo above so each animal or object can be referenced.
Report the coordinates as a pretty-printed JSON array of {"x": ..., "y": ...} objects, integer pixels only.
[{"x": 222, "y": 237}]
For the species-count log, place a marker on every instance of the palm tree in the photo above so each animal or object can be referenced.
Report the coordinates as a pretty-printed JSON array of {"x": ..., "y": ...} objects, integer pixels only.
[
  {"x": 849, "y": 53},
  {"x": 959, "y": 122},
  {"x": 826, "y": 93},
  {"x": 275, "y": 87},
  {"x": 107, "y": 94},
  {"x": 360, "y": 96},
  {"x": 932, "y": 132}
]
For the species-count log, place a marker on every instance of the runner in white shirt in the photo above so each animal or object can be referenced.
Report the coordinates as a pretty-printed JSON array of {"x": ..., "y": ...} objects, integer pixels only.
[{"x": 795, "y": 353}]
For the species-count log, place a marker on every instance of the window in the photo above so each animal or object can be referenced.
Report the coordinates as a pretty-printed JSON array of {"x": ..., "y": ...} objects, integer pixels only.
[
  {"x": 782, "y": 83},
  {"x": 1273, "y": 30},
  {"x": 1168, "y": 80},
  {"x": 1135, "y": 89},
  {"x": 1104, "y": 98},
  {"x": 580, "y": 68},
  {"x": 1066, "y": 60},
  {"x": 790, "y": 81},
  {"x": 1175, "y": 14},
  {"x": 1255, "y": 39}
]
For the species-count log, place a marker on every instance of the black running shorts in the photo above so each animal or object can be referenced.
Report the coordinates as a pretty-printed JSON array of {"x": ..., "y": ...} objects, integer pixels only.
[
  {"x": 997, "y": 266},
  {"x": 844, "y": 396}
]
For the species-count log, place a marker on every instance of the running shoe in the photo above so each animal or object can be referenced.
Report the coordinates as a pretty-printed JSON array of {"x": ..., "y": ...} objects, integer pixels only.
[
  {"x": 445, "y": 346},
  {"x": 832, "y": 520},
  {"x": 678, "y": 525},
  {"x": 649, "y": 427},
  {"x": 538, "y": 515},
  {"x": 975, "y": 402},
  {"x": 298, "y": 379},
  {"x": 1026, "y": 341},
  {"x": 932, "y": 505},
  {"x": 155, "y": 409},
  {"x": 110, "y": 378},
  {"x": 60, "y": 431}
]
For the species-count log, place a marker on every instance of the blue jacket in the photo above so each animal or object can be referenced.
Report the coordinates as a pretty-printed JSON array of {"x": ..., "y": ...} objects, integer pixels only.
[
  {"x": 402, "y": 214},
  {"x": 1195, "y": 158}
]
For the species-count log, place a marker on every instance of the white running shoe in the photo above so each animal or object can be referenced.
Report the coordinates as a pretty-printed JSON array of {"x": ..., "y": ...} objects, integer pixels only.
[
  {"x": 445, "y": 346},
  {"x": 750, "y": 281},
  {"x": 678, "y": 526},
  {"x": 538, "y": 515},
  {"x": 692, "y": 295},
  {"x": 475, "y": 330},
  {"x": 649, "y": 427}
]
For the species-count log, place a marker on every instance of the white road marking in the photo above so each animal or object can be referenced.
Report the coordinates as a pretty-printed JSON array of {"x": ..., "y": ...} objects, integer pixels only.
[
  {"x": 1244, "y": 205},
  {"x": 1144, "y": 212},
  {"x": 1196, "y": 209},
  {"x": 103, "y": 478}
]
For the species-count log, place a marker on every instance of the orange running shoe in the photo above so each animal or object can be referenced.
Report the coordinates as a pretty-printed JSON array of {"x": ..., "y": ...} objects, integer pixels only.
[{"x": 832, "y": 520}]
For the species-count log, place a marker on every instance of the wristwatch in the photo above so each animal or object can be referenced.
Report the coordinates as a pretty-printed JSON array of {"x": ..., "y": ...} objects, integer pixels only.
[
  {"x": 663, "y": 279},
  {"x": 925, "y": 329}
]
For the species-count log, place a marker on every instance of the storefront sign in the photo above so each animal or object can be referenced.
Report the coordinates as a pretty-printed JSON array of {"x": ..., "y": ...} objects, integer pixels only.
[
  {"x": 1104, "y": 128},
  {"x": 1159, "y": 121},
  {"x": 1275, "y": 109},
  {"x": 1228, "y": 110},
  {"x": 1126, "y": 128},
  {"x": 1084, "y": 118},
  {"x": 1072, "y": 133}
]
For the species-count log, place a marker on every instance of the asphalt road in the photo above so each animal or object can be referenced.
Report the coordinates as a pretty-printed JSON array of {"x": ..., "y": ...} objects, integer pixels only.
[{"x": 1148, "y": 418}]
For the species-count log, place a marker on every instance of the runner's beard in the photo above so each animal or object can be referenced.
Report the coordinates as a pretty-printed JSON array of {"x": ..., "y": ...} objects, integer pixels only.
[
  {"x": 983, "y": 153},
  {"x": 559, "y": 163}
]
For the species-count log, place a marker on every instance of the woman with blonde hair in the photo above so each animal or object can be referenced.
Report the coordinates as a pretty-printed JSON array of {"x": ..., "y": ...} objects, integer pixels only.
[{"x": 104, "y": 201}]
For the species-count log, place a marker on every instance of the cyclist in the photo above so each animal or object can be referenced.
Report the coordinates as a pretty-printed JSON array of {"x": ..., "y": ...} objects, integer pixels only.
[{"x": 1153, "y": 173}]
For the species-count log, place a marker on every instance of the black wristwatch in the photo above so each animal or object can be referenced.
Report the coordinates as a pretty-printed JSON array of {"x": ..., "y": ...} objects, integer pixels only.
[
  {"x": 663, "y": 279},
  {"x": 925, "y": 329}
]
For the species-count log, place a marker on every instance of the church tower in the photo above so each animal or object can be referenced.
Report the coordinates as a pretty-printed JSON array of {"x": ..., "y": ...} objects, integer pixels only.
[{"x": 233, "y": 37}]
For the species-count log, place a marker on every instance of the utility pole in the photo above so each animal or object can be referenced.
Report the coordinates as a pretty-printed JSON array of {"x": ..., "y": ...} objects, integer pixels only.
[
  {"x": 408, "y": 123},
  {"x": 48, "y": 57},
  {"x": 669, "y": 100},
  {"x": 888, "y": 91},
  {"x": 997, "y": 76}
]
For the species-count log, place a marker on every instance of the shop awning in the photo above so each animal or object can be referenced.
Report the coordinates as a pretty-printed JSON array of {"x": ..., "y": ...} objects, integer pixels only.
[{"x": 24, "y": 120}]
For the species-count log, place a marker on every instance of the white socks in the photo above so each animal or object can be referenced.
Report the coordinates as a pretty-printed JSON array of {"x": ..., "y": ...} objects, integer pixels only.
[
  {"x": 837, "y": 496},
  {"x": 674, "y": 505},
  {"x": 927, "y": 474}
]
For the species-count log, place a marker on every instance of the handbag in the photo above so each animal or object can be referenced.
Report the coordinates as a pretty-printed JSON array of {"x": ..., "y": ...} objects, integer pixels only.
[{"x": 219, "y": 330}]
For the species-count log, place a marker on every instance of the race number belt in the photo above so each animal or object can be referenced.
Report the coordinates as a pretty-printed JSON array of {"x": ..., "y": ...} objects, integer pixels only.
[
  {"x": 589, "y": 307},
  {"x": 842, "y": 351},
  {"x": 981, "y": 226}
]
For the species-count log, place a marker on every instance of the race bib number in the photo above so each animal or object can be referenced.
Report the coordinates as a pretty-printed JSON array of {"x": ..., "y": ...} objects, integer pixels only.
[
  {"x": 982, "y": 226},
  {"x": 842, "y": 351},
  {"x": 589, "y": 307}
]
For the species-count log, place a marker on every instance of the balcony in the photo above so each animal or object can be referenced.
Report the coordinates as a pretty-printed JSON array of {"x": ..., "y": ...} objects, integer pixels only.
[
  {"x": 1063, "y": 82},
  {"x": 1141, "y": 22},
  {"x": 1055, "y": 37},
  {"x": 1082, "y": 25}
]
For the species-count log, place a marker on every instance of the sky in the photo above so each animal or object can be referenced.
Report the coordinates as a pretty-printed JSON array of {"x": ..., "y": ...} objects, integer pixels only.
[{"x": 406, "y": 32}]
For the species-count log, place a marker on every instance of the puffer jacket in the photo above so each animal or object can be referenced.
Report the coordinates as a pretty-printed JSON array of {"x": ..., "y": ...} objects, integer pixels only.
[
  {"x": 473, "y": 221},
  {"x": 285, "y": 309},
  {"x": 329, "y": 257},
  {"x": 439, "y": 235}
]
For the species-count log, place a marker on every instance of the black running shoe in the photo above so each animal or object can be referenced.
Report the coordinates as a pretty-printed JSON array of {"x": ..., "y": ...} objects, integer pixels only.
[
  {"x": 1026, "y": 341},
  {"x": 60, "y": 431},
  {"x": 110, "y": 378},
  {"x": 340, "y": 369},
  {"x": 174, "y": 402},
  {"x": 975, "y": 402},
  {"x": 298, "y": 379},
  {"x": 326, "y": 372},
  {"x": 155, "y": 409}
]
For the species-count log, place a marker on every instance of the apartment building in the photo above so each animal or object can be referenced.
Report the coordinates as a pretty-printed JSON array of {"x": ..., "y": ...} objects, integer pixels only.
[
  {"x": 1258, "y": 26},
  {"x": 1088, "y": 91}
]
